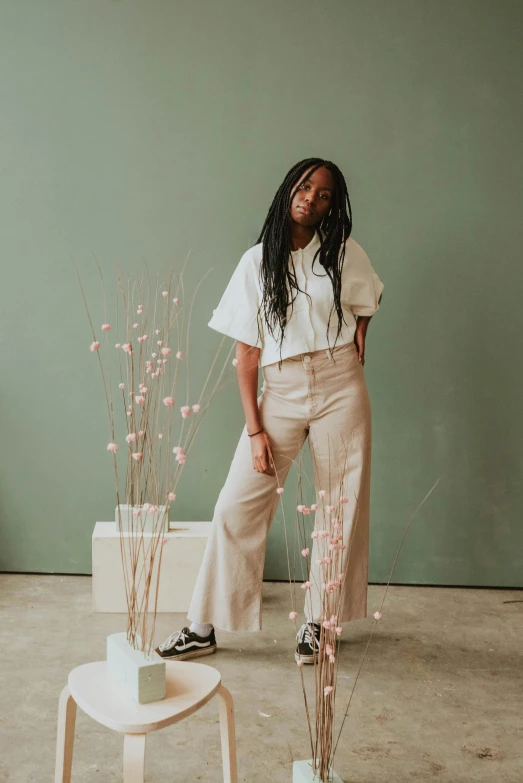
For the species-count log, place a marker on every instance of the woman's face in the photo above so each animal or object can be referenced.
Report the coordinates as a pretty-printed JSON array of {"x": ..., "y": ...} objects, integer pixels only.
[{"x": 313, "y": 199}]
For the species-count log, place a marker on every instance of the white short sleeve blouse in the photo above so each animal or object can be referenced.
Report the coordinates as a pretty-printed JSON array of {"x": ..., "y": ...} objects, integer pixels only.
[{"x": 306, "y": 330}]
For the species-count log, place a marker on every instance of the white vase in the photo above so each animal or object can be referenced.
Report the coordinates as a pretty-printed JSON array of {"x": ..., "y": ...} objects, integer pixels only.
[
  {"x": 302, "y": 773},
  {"x": 146, "y": 522},
  {"x": 142, "y": 675}
]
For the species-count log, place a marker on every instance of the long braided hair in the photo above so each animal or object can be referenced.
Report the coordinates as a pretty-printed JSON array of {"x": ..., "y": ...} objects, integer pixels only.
[{"x": 277, "y": 276}]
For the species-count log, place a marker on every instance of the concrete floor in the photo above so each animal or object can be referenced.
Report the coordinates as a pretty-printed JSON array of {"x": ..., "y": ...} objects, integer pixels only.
[{"x": 439, "y": 699}]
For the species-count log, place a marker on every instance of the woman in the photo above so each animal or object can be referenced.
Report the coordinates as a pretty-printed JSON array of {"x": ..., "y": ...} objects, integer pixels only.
[{"x": 279, "y": 307}]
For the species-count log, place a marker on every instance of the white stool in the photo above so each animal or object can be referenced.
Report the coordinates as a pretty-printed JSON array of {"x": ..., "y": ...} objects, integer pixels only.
[{"x": 189, "y": 687}]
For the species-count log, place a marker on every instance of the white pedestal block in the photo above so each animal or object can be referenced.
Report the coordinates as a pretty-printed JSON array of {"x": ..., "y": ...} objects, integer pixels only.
[
  {"x": 142, "y": 676},
  {"x": 181, "y": 559},
  {"x": 302, "y": 773}
]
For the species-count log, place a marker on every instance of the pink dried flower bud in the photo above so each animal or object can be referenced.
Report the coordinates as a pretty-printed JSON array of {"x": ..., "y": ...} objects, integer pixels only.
[
  {"x": 145, "y": 337},
  {"x": 314, "y": 507},
  {"x": 377, "y": 615},
  {"x": 112, "y": 447},
  {"x": 322, "y": 493},
  {"x": 176, "y": 300},
  {"x": 314, "y": 534},
  {"x": 128, "y": 413},
  {"x": 326, "y": 624},
  {"x": 164, "y": 361},
  {"x": 328, "y": 690},
  {"x": 196, "y": 408},
  {"x": 168, "y": 401},
  {"x": 185, "y": 411},
  {"x": 306, "y": 585},
  {"x": 164, "y": 541},
  {"x": 299, "y": 663},
  {"x": 147, "y": 506},
  {"x": 279, "y": 491},
  {"x": 154, "y": 355},
  {"x": 178, "y": 450},
  {"x": 330, "y": 509},
  {"x": 332, "y": 658},
  {"x": 138, "y": 456},
  {"x": 179, "y": 355},
  {"x": 165, "y": 293},
  {"x": 306, "y": 511},
  {"x": 94, "y": 346},
  {"x": 117, "y": 345},
  {"x": 137, "y": 512},
  {"x": 172, "y": 496},
  {"x": 323, "y": 533},
  {"x": 293, "y": 615},
  {"x": 135, "y": 326},
  {"x": 131, "y": 437},
  {"x": 127, "y": 347},
  {"x": 305, "y": 552},
  {"x": 121, "y": 385},
  {"x": 235, "y": 362},
  {"x": 339, "y": 630},
  {"x": 166, "y": 351},
  {"x": 327, "y": 560},
  {"x": 344, "y": 499},
  {"x": 181, "y": 458},
  {"x": 141, "y": 433},
  {"x": 157, "y": 331},
  {"x": 159, "y": 342},
  {"x": 300, "y": 508},
  {"x": 139, "y": 399},
  {"x": 328, "y": 649},
  {"x": 160, "y": 436},
  {"x": 106, "y": 327}
]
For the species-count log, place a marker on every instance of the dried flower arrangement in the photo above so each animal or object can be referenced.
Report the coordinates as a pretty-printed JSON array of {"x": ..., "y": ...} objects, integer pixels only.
[
  {"x": 332, "y": 557},
  {"x": 150, "y": 434}
]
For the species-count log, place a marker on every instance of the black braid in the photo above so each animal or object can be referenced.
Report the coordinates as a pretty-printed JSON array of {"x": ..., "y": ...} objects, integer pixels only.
[{"x": 276, "y": 275}]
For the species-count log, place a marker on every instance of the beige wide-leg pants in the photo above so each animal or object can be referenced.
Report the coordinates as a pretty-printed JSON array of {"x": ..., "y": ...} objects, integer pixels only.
[{"x": 323, "y": 396}]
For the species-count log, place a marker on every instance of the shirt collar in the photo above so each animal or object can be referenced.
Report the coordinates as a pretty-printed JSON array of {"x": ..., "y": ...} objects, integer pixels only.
[{"x": 312, "y": 247}]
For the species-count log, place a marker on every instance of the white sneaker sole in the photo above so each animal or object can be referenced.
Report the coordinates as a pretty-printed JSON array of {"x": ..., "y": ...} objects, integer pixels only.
[
  {"x": 306, "y": 658},
  {"x": 191, "y": 654}
]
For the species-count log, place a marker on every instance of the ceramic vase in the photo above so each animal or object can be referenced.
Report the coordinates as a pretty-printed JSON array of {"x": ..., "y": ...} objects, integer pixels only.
[
  {"x": 141, "y": 675},
  {"x": 302, "y": 772},
  {"x": 146, "y": 522}
]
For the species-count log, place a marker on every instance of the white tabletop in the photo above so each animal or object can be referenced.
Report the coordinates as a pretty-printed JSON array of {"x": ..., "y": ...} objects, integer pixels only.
[{"x": 189, "y": 687}]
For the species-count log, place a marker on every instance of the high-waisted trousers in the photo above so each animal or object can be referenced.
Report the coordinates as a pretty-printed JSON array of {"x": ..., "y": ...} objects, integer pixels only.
[{"x": 321, "y": 396}]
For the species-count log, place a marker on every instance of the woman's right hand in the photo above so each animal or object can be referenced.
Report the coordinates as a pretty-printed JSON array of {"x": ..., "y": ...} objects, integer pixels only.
[{"x": 261, "y": 456}]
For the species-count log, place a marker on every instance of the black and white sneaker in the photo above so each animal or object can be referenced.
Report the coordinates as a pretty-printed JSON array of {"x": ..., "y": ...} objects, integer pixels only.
[
  {"x": 308, "y": 638},
  {"x": 184, "y": 644}
]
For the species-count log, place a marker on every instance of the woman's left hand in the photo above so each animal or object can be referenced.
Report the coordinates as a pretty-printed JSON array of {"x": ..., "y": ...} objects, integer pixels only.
[{"x": 359, "y": 338}]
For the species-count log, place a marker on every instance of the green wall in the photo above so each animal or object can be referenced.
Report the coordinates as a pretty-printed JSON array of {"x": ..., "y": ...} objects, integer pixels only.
[{"x": 137, "y": 129}]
